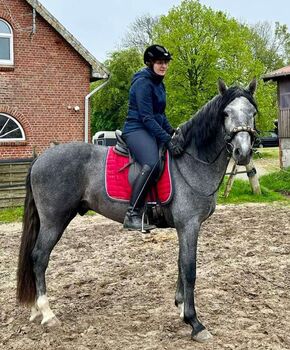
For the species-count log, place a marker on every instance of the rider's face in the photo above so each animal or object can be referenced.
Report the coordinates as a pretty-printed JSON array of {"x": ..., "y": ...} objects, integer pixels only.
[{"x": 160, "y": 67}]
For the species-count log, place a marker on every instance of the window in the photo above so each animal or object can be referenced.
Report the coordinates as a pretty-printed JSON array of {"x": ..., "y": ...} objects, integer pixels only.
[
  {"x": 6, "y": 43},
  {"x": 10, "y": 129}
]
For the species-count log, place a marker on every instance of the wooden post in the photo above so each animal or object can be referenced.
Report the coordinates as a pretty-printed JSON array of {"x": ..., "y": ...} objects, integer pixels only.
[
  {"x": 253, "y": 177},
  {"x": 231, "y": 180}
]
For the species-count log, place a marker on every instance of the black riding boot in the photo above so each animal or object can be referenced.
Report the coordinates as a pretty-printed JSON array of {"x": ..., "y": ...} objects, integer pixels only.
[{"x": 133, "y": 217}]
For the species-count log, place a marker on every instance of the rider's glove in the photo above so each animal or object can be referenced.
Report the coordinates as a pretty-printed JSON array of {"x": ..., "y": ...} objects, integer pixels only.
[
  {"x": 172, "y": 131},
  {"x": 174, "y": 147}
]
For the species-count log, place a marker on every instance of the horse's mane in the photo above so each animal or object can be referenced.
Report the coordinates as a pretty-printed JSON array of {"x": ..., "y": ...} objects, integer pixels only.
[{"x": 203, "y": 127}]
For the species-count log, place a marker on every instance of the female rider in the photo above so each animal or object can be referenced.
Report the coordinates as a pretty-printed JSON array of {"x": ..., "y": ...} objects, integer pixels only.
[{"x": 146, "y": 127}]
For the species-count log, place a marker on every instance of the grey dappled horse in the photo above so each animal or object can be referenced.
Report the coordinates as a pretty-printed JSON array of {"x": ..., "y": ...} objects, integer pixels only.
[{"x": 69, "y": 179}]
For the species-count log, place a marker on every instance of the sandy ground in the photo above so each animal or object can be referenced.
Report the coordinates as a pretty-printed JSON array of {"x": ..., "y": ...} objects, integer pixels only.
[{"x": 112, "y": 289}]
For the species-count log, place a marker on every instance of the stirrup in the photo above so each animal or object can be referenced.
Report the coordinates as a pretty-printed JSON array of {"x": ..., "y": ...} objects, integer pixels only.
[
  {"x": 143, "y": 221},
  {"x": 140, "y": 226}
]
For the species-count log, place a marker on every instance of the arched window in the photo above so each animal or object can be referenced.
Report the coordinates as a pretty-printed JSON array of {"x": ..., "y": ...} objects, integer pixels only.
[
  {"x": 10, "y": 129},
  {"x": 6, "y": 43}
]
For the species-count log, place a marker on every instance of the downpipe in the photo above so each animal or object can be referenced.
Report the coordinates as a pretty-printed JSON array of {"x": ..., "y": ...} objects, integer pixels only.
[{"x": 87, "y": 98}]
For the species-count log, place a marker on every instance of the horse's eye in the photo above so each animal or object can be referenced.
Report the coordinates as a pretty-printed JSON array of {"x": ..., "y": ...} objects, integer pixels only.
[{"x": 225, "y": 114}]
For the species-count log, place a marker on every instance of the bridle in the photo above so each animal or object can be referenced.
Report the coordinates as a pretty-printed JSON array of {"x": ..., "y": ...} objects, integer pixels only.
[{"x": 229, "y": 136}]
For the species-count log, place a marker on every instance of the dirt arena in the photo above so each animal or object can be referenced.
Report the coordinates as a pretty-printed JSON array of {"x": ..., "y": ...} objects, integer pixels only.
[{"x": 112, "y": 289}]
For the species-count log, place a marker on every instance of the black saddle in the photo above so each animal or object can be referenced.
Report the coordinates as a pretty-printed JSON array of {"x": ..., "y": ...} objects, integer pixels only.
[
  {"x": 121, "y": 146},
  {"x": 135, "y": 168}
]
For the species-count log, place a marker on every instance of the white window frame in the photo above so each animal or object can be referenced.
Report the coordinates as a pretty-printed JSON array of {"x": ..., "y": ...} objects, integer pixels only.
[
  {"x": 9, "y": 36},
  {"x": 19, "y": 127}
]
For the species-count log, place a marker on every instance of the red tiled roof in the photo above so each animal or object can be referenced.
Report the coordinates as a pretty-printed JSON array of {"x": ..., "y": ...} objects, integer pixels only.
[{"x": 282, "y": 72}]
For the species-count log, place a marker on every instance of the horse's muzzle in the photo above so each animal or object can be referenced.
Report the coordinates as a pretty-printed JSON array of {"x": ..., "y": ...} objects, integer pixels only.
[
  {"x": 241, "y": 157},
  {"x": 242, "y": 148}
]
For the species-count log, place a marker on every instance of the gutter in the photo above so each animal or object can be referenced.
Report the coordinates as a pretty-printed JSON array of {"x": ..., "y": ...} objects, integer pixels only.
[{"x": 87, "y": 108}]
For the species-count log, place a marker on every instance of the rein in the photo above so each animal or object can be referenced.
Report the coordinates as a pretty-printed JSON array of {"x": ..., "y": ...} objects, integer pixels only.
[
  {"x": 204, "y": 162},
  {"x": 228, "y": 138},
  {"x": 193, "y": 190}
]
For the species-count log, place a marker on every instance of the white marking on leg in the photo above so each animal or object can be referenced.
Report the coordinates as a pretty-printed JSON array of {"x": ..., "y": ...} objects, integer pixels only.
[
  {"x": 43, "y": 305},
  {"x": 181, "y": 310},
  {"x": 35, "y": 313}
]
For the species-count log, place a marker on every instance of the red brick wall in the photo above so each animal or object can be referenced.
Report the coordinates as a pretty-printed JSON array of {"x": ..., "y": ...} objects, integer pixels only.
[{"x": 48, "y": 76}]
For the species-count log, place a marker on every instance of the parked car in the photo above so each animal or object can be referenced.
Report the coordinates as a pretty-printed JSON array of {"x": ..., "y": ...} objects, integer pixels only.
[
  {"x": 267, "y": 139},
  {"x": 104, "y": 138}
]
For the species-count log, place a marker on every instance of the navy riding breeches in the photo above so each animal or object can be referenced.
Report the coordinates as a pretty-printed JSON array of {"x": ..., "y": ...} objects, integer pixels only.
[{"x": 144, "y": 148}]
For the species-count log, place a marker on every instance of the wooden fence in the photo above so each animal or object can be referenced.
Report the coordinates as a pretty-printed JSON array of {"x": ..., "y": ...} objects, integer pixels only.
[{"x": 12, "y": 182}]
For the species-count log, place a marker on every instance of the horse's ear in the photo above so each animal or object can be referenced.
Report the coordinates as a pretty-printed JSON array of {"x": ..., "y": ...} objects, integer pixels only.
[
  {"x": 252, "y": 86},
  {"x": 222, "y": 86}
]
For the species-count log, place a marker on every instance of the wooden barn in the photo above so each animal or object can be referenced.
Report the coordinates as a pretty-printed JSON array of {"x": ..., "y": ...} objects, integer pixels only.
[
  {"x": 45, "y": 76},
  {"x": 282, "y": 77}
]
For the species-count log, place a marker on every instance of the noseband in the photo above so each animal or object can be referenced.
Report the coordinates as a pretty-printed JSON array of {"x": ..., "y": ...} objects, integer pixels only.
[{"x": 230, "y": 136}]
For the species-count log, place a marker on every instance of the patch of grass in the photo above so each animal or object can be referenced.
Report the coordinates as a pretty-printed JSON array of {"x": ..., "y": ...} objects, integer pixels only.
[
  {"x": 241, "y": 192},
  {"x": 91, "y": 213},
  {"x": 278, "y": 181},
  {"x": 267, "y": 153},
  {"x": 274, "y": 187},
  {"x": 8, "y": 215},
  {"x": 11, "y": 214}
]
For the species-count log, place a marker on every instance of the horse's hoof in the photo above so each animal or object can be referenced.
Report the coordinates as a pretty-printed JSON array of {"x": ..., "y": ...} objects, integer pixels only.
[
  {"x": 51, "y": 322},
  {"x": 202, "y": 336},
  {"x": 35, "y": 314},
  {"x": 35, "y": 317}
]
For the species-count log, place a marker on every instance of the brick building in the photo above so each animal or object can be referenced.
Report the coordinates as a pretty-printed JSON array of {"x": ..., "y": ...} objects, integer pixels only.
[{"x": 45, "y": 76}]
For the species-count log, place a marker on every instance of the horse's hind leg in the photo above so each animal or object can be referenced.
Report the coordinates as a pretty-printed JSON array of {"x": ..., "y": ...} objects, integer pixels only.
[{"x": 48, "y": 236}]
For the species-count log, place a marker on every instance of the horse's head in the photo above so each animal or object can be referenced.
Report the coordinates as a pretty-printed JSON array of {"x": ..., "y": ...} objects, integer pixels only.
[{"x": 239, "y": 116}]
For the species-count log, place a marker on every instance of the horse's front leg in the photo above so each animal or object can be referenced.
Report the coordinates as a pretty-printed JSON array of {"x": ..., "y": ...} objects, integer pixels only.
[
  {"x": 188, "y": 236},
  {"x": 179, "y": 294}
]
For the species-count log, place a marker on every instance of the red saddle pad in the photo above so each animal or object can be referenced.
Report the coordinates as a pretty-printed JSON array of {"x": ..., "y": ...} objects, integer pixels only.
[{"x": 117, "y": 183}]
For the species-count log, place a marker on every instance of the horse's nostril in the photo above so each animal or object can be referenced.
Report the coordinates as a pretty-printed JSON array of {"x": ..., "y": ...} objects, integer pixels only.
[{"x": 237, "y": 152}]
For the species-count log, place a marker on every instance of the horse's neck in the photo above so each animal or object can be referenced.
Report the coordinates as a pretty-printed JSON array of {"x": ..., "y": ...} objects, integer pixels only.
[
  {"x": 205, "y": 173},
  {"x": 211, "y": 150}
]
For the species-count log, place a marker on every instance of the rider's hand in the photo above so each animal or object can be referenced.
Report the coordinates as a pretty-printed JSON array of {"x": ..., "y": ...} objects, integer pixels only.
[
  {"x": 172, "y": 131},
  {"x": 174, "y": 147}
]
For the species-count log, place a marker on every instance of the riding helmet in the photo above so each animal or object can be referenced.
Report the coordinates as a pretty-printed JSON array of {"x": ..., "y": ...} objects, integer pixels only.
[{"x": 156, "y": 52}]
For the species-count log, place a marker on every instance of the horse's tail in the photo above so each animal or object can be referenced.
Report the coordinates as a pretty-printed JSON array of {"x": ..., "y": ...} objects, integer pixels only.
[{"x": 26, "y": 289}]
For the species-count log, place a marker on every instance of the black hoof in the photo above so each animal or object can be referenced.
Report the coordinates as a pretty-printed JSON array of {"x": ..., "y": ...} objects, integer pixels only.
[{"x": 197, "y": 328}]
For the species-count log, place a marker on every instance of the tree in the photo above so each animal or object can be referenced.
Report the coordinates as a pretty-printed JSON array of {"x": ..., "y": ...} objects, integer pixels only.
[
  {"x": 271, "y": 44},
  {"x": 109, "y": 105},
  {"x": 140, "y": 34},
  {"x": 206, "y": 45}
]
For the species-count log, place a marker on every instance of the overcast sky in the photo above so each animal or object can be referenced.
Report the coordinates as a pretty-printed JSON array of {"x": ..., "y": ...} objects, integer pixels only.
[{"x": 100, "y": 25}]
